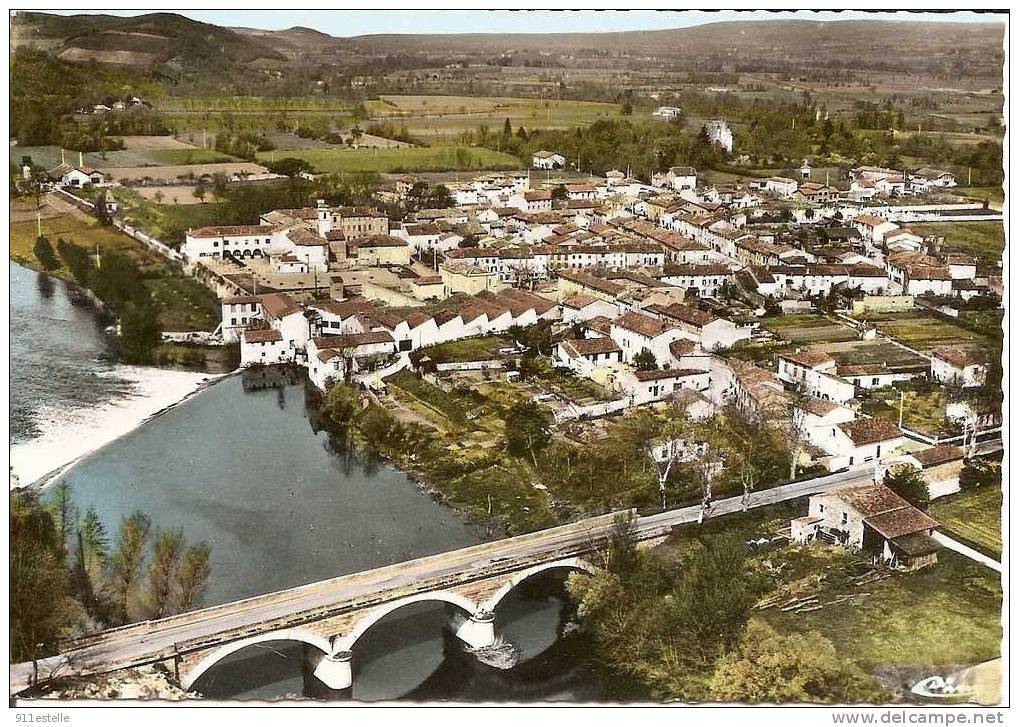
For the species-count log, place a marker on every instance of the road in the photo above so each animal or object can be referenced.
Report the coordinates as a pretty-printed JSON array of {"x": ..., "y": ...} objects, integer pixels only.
[{"x": 151, "y": 641}]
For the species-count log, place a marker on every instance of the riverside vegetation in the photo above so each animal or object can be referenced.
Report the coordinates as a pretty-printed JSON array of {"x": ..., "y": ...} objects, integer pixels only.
[{"x": 70, "y": 576}]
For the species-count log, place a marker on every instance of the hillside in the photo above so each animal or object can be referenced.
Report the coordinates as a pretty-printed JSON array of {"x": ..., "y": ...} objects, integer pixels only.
[
  {"x": 143, "y": 41},
  {"x": 937, "y": 49}
]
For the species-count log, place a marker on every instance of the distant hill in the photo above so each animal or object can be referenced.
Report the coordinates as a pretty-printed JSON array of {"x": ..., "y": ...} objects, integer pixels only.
[
  {"x": 973, "y": 50},
  {"x": 142, "y": 41}
]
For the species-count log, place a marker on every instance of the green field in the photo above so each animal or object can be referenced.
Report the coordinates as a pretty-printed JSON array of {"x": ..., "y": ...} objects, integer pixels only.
[
  {"x": 808, "y": 328},
  {"x": 417, "y": 159},
  {"x": 974, "y": 515},
  {"x": 994, "y": 195},
  {"x": 466, "y": 349},
  {"x": 926, "y": 332},
  {"x": 175, "y": 157},
  {"x": 215, "y": 104},
  {"x": 947, "y": 614},
  {"x": 983, "y": 240},
  {"x": 445, "y": 117}
]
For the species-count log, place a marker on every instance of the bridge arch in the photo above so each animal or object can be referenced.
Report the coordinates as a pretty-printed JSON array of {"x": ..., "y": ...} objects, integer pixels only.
[
  {"x": 298, "y": 634},
  {"x": 576, "y": 564},
  {"x": 347, "y": 641}
]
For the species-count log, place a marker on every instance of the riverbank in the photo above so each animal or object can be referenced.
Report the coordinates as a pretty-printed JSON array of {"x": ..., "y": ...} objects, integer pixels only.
[{"x": 66, "y": 436}]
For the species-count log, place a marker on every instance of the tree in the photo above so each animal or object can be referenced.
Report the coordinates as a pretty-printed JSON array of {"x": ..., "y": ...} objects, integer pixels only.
[
  {"x": 65, "y": 515},
  {"x": 767, "y": 666},
  {"x": 102, "y": 209},
  {"x": 341, "y": 405},
  {"x": 528, "y": 429},
  {"x": 289, "y": 167},
  {"x": 645, "y": 361},
  {"x": 749, "y": 432},
  {"x": 44, "y": 253},
  {"x": 200, "y": 191},
  {"x": 626, "y": 109},
  {"x": 193, "y": 576},
  {"x": 164, "y": 572},
  {"x": 91, "y": 559},
  {"x": 127, "y": 560},
  {"x": 41, "y": 608},
  {"x": 140, "y": 332},
  {"x": 507, "y": 130},
  {"x": 908, "y": 483},
  {"x": 674, "y": 433}
]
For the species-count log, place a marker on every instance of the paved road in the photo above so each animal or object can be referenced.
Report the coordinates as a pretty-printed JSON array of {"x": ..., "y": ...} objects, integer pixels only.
[{"x": 155, "y": 640}]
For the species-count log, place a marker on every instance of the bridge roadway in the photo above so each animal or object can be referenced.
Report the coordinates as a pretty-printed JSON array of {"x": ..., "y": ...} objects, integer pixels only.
[{"x": 165, "y": 639}]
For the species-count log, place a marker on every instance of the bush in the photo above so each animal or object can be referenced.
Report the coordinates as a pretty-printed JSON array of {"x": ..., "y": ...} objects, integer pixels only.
[{"x": 44, "y": 253}]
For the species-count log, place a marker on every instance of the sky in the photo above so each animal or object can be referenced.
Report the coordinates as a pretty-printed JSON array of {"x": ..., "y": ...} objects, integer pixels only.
[{"x": 363, "y": 22}]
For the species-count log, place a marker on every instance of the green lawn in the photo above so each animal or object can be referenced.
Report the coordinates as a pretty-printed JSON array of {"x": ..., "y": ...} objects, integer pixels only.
[
  {"x": 466, "y": 349},
  {"x": 944, "y": 615},
  {"x": 974, "y": 515},
  {"x": 416, "y": 159},
  {"x": 983, "y": 240},
  {"x": 995, "y": 195},
  {"x": 175, "y": 157},
  {"x": 922, "y": 411}
]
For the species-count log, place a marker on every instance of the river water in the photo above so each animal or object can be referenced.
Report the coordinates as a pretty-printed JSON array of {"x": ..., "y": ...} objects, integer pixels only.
[{"x": 240, "y": 465}]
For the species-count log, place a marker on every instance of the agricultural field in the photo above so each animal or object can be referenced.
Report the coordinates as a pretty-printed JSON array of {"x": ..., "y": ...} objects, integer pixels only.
[
  {"x": 417, "y": 159},
  {"x": 809, "y": 328},
  {"x": 869, "y": 352},
  {"x": 983, "y": 240},
  {"x": 925, "y": 332},
  {"x": 250, "y": 104},
  {"x": 189, "y": 172},
  {"x": 286, "y": 142},
  {"x": 445, "y": 117},
  {"x": 481, "y": 348},
  {"x": 140, "y": 151},
  {"x": 974, "y": 515}
]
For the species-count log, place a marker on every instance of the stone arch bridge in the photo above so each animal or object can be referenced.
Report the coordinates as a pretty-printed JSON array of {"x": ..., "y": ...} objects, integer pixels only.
[{"x": 330, "y": 616}]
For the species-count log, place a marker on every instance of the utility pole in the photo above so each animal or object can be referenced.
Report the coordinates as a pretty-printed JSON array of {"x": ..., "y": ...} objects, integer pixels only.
[
  {"x": 902, "y": 398},
  {"x": 38, "y": 223}
]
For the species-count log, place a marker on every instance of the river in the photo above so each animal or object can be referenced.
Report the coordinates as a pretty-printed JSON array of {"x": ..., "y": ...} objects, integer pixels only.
[{"x": 239, "y": 465}]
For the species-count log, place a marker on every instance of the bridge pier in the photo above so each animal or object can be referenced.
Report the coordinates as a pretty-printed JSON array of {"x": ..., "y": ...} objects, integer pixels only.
[
  {"x": 328, "y": 676},
  {"x": 476, "y": 631}
]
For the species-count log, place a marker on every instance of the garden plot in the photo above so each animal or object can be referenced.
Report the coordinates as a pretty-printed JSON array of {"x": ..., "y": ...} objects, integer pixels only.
[{"x": 809, "y": 328}]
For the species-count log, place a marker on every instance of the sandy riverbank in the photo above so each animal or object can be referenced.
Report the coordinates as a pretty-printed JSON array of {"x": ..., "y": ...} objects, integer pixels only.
[{"x": 68, "y": 435}]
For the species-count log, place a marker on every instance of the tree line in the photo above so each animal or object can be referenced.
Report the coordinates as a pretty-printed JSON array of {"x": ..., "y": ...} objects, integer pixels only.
[
  {"x": 69, "y": 576},
  {"x": 116, "y": 280}
]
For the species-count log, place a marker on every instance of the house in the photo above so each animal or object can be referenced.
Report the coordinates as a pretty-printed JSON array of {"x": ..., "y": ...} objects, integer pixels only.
[
  {"x": 667, "y": 112},
  {"x": 872, "y": 228},
  {"x": 582, "y": 307},
  {"x": 965, "y": 366},
  {"x": 81, "y": 176},
  {"x": 678, "y": 178},
  {"x": 814, "y": 374},
  {"x": 927, "y": 177},
  {"x": 463, "y": 277},
  {"x": 781, "y": 186},
  {"x": 380, "y": 250},
  {"x": 869, "y": 439},
  {"x": 644, "y": 387},
  {"x": 538, "y": 200},
  {"x": 239, "y": 313},
  {"x": 583, "y": 355},
  {"x": 542, "y": 159},
  {"x": 237, "y": 241},
  {"x": 710, "y": 331},
  {"x": 817, "y": 193},
  {"x": 264, "y": 346},
  {"x": 636, "y": 332},
  {"x": 871, "y": 519},
  {"x": 940, "y": 467},
  {"x": 903, "y": 239},
  {"x": 719, "y": 134},
  {"x": 805, "y": 169},
  {"x": 423, "y": 237},
  {"x": 817, "y": 419}
]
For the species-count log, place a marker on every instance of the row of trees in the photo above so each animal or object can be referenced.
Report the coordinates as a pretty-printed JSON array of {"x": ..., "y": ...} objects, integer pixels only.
[
  {"x": 115, "y": 279},
  {"x": 69, "y": 576}
]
